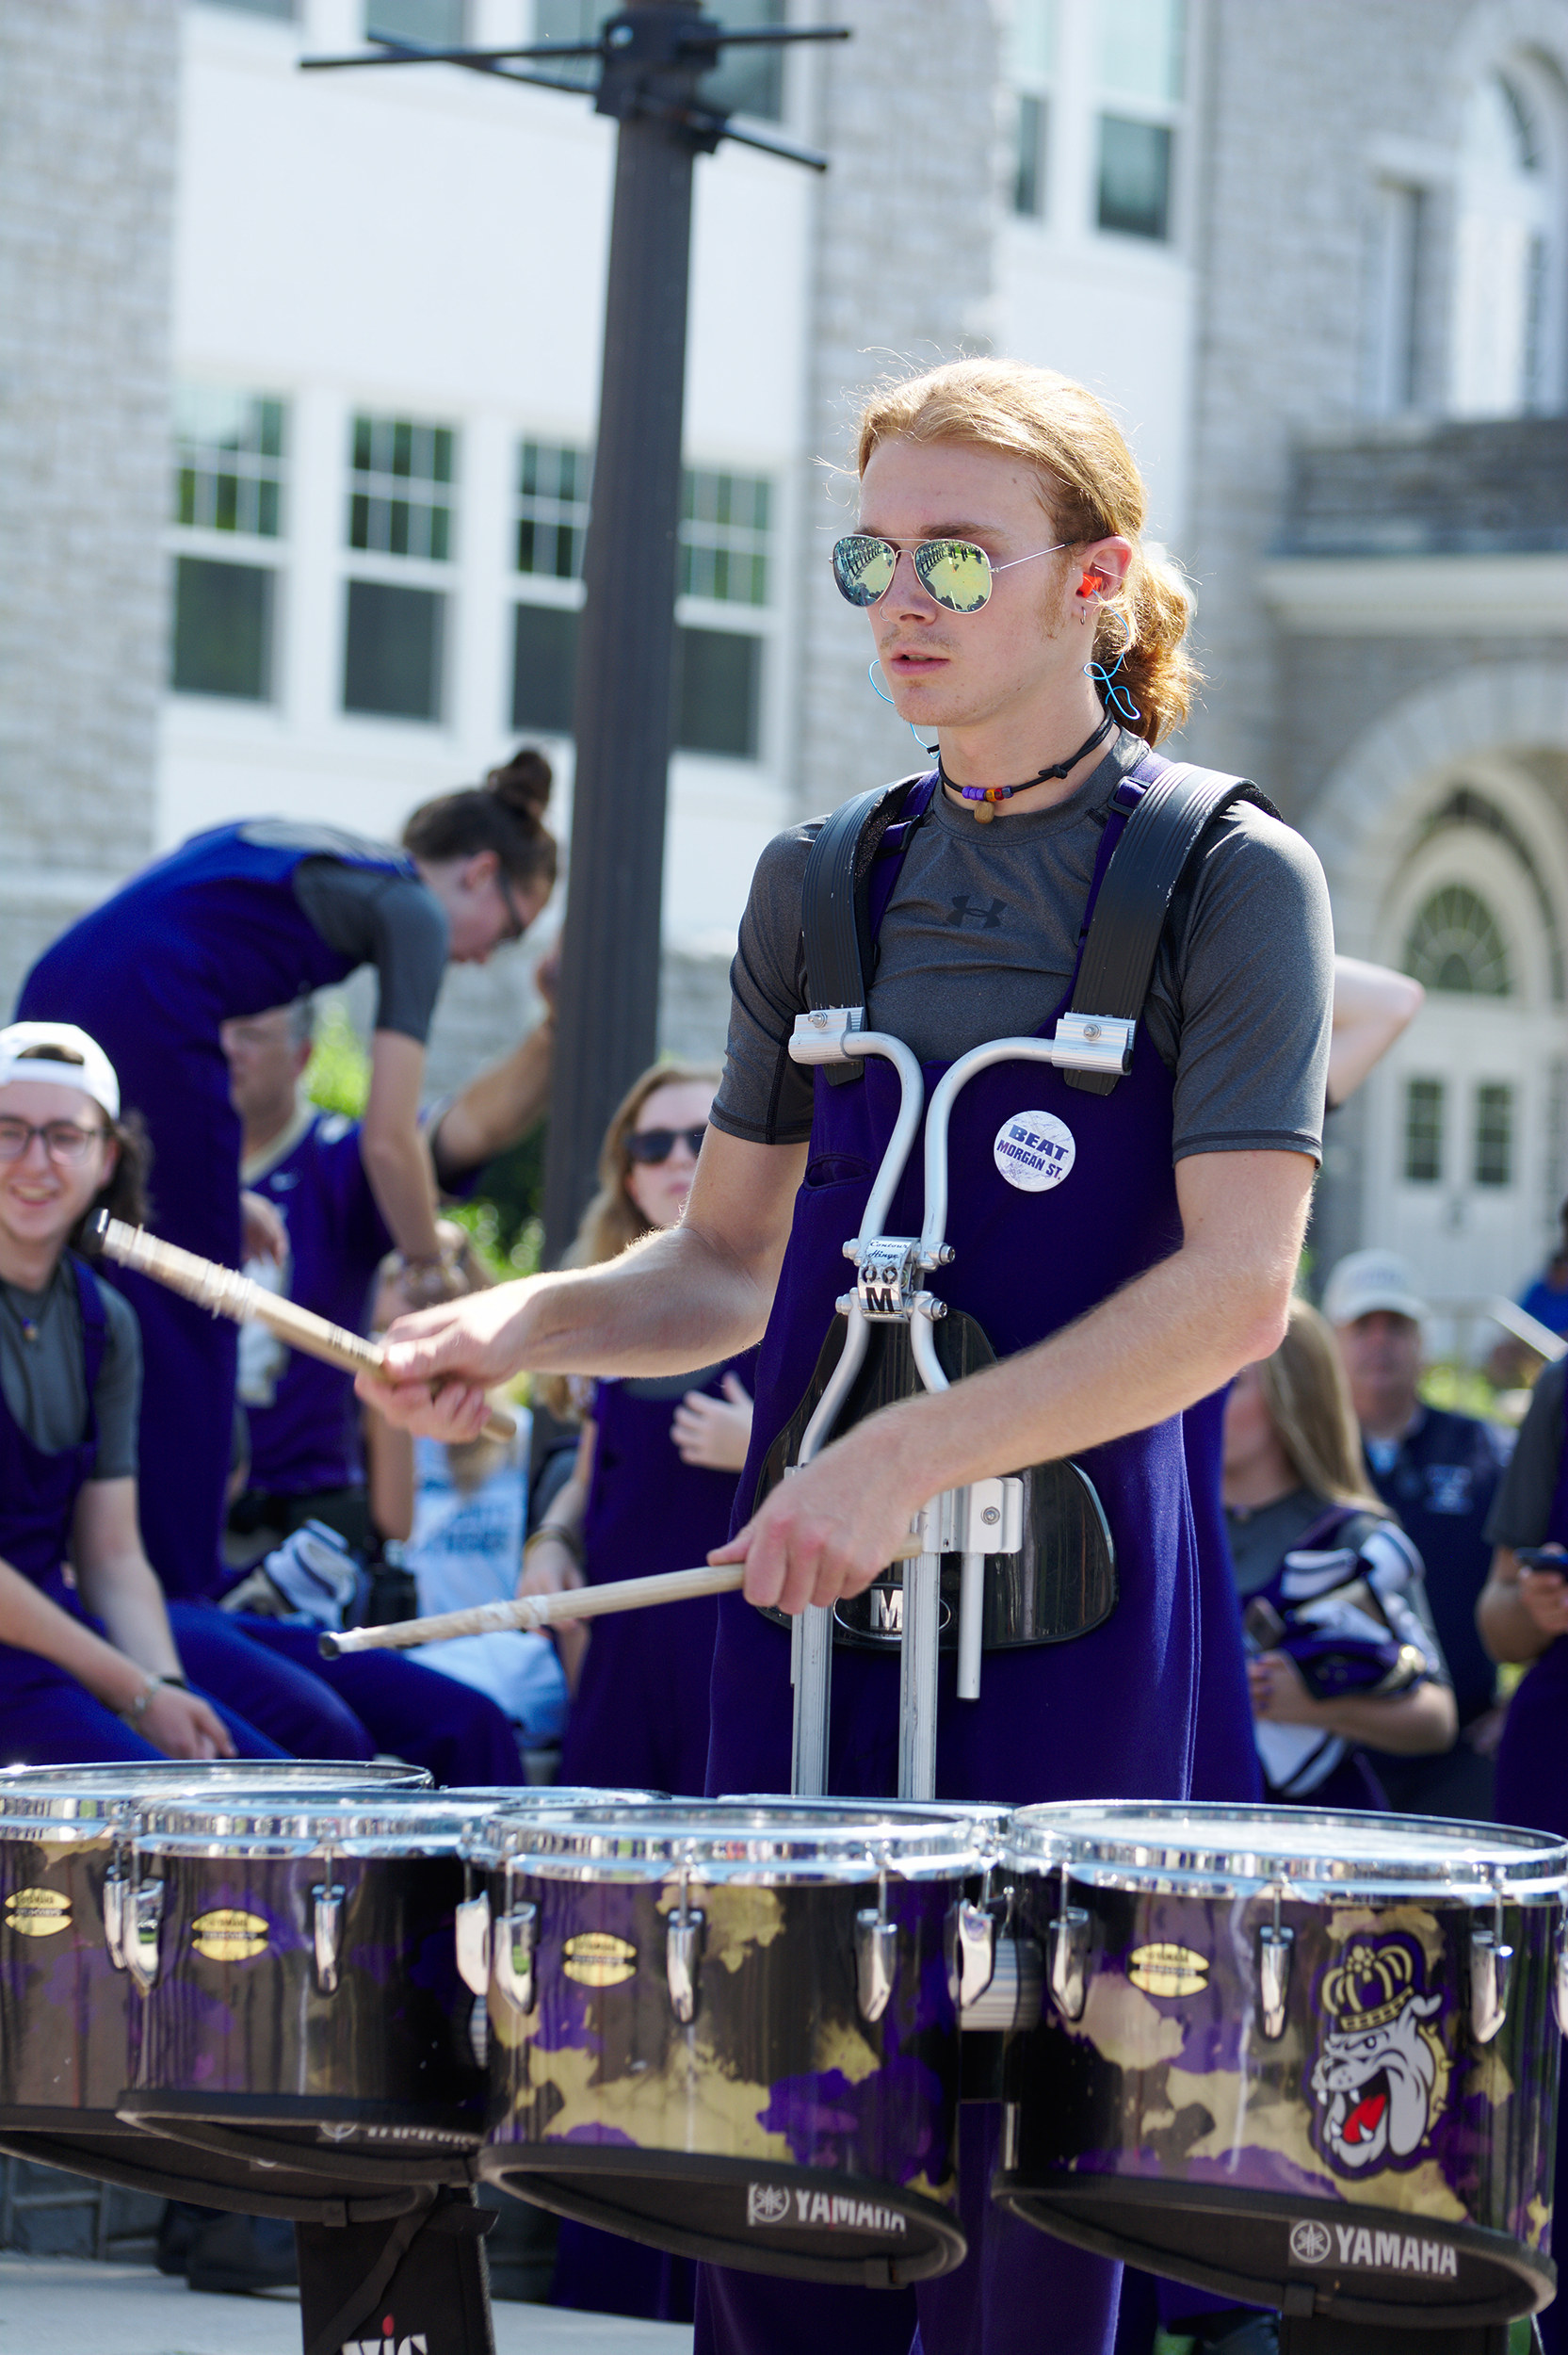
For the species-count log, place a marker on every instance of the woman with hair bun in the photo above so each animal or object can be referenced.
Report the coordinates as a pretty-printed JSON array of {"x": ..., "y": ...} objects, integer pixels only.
[{"x": 246, "y": 917}]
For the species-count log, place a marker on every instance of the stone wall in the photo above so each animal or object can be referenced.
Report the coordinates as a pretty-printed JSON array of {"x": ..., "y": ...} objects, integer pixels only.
[
  {"x": 1424, "y": 486},
  {"x": 88, "y": 100}
]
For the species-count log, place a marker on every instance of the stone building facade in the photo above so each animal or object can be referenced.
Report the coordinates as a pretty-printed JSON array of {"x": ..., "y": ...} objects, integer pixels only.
[{"x": 88, "y": 93}]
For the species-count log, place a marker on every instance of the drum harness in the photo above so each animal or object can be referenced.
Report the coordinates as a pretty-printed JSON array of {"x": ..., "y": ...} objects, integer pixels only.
[{"x": 1093, "y": 1045}]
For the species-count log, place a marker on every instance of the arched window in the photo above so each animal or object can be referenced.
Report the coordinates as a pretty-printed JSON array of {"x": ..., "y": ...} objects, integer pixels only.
[
  {"x": 1508, "y": 250},
  {"x": 1455, "y": 944}
]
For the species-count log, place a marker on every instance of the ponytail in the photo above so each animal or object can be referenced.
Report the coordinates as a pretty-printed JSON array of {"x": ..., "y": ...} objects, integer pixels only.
[{"x": 504, "y": 815}]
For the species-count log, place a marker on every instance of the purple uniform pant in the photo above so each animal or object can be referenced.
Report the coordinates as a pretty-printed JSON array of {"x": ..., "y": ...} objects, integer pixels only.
[
  {"x": 52, "y": 1720},
  {"x": 431, "y": 1721}
]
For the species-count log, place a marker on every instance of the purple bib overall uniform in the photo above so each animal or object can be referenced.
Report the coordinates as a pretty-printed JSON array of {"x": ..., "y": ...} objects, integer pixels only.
[
  {"x": 1111, "y": 1713},
  {"x": 48, "y": 1718},
  {"x": 1532, "y": 1789},
  {"x": 211, "y": 932},
  {"x": 640, "y": 1716}
]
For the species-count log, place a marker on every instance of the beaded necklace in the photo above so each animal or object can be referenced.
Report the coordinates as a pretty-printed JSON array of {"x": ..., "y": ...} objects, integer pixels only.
[{"x": 982, "y": 798}]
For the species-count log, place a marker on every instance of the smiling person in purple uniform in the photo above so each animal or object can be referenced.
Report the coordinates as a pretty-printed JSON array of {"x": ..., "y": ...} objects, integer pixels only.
[
  {"x": 1000, "y": 560},
  {"x": 246, "y": 917}
]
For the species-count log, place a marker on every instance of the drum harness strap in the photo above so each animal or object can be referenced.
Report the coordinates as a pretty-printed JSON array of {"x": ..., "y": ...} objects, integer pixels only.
[{"x": 1165, "y": 814}]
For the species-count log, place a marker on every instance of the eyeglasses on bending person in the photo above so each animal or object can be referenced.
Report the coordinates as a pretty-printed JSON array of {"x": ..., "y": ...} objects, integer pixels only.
[
  {"x": 653, "y": 1146},
  {"x": 63, "y": 1141},
  {"x": 956, "y": 573}
]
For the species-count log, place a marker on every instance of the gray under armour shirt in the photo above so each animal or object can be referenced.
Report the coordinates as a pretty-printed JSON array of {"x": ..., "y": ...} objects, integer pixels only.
[
  {"x": 45, "y": 1382},
  {"x": 980, "y": 941}
]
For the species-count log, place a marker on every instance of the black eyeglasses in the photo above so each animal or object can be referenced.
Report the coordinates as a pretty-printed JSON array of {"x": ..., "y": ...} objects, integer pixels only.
[
  {"x": 63, "y": 1141},
  {"x": 657, "y": 1145},
  {"x": 519, "y": 921}
]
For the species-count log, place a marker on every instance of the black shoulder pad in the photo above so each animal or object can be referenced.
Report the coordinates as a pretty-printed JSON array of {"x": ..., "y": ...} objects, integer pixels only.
[
  {"x": 833, "y": 902},
  {"x": 1134, "y": 897}
]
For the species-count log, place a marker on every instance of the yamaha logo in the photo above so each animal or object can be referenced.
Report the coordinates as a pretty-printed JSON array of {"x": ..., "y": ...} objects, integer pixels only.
[
  {"x": 1311, "y": 2244},
  {"x": 766, "y": 2203}
]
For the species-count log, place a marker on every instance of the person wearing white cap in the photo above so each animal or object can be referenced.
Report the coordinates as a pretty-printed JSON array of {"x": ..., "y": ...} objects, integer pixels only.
[
  {"x": 89, "y": 1666},
  {"x": 1439, "y": 1473}
]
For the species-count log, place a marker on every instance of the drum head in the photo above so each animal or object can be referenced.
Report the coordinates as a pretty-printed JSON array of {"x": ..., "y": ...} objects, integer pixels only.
[
  {"x": 760, "y": 1843},
  {"x": 86, "y": 1791},
  {"x": 1303, "y": 1851},
  {"x": 758, "y": 2216}
]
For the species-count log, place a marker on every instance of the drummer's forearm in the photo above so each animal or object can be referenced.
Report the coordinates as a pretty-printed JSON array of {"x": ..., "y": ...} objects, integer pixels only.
[
  {"x": 1505, "y": 1625},
  {"x": 32, "y": 1622},
  {"x": 1407, "y": 1725}
]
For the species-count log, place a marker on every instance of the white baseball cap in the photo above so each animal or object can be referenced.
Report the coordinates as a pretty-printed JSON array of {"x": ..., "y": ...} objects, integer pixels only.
[
  {"x": 61, "y": 1055},
  {"x": 1369, "y": 1280}
]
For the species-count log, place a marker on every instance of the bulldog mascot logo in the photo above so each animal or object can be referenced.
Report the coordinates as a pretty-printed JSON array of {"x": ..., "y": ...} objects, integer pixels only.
[{"x": 1377, "y": 2070}]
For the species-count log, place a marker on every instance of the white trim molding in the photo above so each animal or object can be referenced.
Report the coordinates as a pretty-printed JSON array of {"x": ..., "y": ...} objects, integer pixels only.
[{"x": 1416, "y": 597}]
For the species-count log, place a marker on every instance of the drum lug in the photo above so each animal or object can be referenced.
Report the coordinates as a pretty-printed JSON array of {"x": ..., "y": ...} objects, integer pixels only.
[
  {"x": 1069, "y": 1954},
  {"x": 471, "y": 1928},
  {"x": 975, "y": 1934},
  {"x": 683, "y": 1945},
  {"x": 327, "y": 1933},
  {"x": 1559, "y": 1979},
  {"x": 1275, "y": 1947},
  {"x": 145, "y": 1920},
  {"x": 1490, "y": 1969},
  {"x": 116, "y": 1890},
  {"x": 511, "y": 1954},
  {"x": 876, "y": 1953}
]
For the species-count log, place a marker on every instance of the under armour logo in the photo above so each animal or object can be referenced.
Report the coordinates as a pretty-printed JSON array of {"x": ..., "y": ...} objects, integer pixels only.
[{"x": 985, "y": 919}]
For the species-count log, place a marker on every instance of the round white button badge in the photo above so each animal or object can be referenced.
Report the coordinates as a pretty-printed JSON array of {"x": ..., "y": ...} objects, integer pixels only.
[{"x": 1034, "y": 1151}]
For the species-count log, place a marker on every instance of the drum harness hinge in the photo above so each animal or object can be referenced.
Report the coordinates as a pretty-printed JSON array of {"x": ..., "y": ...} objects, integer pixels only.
[
  {"x": 876, "y": 1948},
  {"x": 681, "y": 1951},
  {"x": 326, "y": 1928},
  {"x": 1491, "y": 1971},
  {"x": 1275, "y": 1947}
]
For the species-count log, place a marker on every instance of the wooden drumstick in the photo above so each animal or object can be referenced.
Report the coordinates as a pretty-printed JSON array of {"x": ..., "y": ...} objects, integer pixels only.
[
  {"x": 228, "y": 1293},
  {"x": 538, "y": 1611}
]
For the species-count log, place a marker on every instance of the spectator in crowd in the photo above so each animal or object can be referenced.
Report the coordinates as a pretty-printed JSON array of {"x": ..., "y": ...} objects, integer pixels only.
[
  {"x": 1438, "y": 1471},
  {"x": 310, "y": 1168},
  {"x": 652, "y": 1490},
  {"x": 1523, "y": 1616},
  {"x": 1316, "y": 1558},
  {"x": 1546, "y": 1300},
  {"x": 457, "y": 1514},
  {"x": 88, "y": 1664},
  {"x": 245, "y": 917}
]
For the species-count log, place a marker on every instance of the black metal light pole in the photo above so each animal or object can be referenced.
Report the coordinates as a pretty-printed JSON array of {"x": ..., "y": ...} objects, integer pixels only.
[{"x": 652, "y": 54}]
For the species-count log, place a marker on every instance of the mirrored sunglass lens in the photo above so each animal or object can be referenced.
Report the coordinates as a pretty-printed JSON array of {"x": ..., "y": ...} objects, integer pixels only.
[
  {"x": 863, "y": 568},
  {"x": 956, "y": 575}
]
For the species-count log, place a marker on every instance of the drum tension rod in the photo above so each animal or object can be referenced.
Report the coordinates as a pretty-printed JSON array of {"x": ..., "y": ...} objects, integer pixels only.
[
  {"x": 1491, "y": 1971},
  {"x": 682, "y": 1946},
  {"x": 326, "y": 1928},
  {"x": 876, "y": 1948},
  {"x": 1069, "y": 1967},
  {"x": 1274, "y": 1944}
]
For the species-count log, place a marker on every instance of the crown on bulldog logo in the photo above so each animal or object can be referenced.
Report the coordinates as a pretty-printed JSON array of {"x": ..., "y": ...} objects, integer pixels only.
[{"x": 1367, "y": 1988}]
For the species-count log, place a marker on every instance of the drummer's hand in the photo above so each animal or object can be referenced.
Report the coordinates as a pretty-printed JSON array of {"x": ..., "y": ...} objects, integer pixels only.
[
  {"x": 825, "y": 1532},
  {"x": 1545, "y": 1596},
  {"x": 183, "y": 1725},
  {"x": 1279, "y": 1695},
  {"x": 714, "y": 1432},
  {"x": 266, "y": 1237},
  {"x": 442, "y": 1361}
]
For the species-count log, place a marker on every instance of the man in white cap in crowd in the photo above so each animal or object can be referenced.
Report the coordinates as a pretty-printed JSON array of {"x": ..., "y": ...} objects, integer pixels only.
[{"x": 1439, "y": 1471}]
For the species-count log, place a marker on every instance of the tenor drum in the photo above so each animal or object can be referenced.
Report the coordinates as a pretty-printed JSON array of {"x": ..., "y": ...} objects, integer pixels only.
[
  {"x": 729, "y": 2030},
  {"x": 67, "y": 2018},
  {"x": 1300, "y": 2058}
]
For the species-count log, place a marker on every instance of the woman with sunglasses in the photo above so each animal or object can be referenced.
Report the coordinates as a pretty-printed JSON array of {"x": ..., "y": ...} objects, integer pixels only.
[
  {"x": 654, "y": 1480},
  {"x": 247, "y": 917},
  {"x": 1034, "y": 641}
]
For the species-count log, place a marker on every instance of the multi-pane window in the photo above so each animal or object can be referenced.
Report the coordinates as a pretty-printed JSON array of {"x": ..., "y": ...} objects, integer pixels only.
[
  {"x": 1141, "y": 72},
  {"x": 1423, "y": 1131},
  {"x": 1030, "y": 61},
  {"x": 1399, "y": 235},
  {"x": 1492, "y": 1161},
  {"x": 723, "y": 536},
  {"x": 230, "y": 455},
  {"x": 552, "y": 509},
  {"x": 284, "y": 9},
  {"x": 544, "y": 667},
  {"x": 402, "y": 488},
  {"x": 1455, "y": 944},
  {"x": 393, "y": 644},
  {"x": 746, "y": 81}
]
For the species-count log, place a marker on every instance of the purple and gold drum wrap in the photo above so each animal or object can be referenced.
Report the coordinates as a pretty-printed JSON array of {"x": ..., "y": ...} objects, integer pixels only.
[
  {"x": 1300, "y": 2058},
  {"x": 67, "y": 2023},
  {"x": 731, "y": 2030}
]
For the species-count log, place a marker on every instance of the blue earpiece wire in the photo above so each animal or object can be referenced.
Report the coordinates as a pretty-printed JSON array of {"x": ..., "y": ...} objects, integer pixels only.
[{"x": 887, "y": 699}]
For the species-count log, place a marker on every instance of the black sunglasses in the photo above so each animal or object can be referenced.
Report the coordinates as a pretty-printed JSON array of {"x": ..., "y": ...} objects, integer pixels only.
[{"x": 657, "y": 1145}]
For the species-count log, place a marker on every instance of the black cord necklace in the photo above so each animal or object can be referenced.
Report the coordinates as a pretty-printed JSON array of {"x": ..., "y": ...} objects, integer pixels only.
[{"x": 983, "y": 798}]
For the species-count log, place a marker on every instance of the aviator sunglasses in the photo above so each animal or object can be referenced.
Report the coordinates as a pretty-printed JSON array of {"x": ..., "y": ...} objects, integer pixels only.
[
  {"x": 956, "y": 573},
  {"x": 657, "y": 1145}
]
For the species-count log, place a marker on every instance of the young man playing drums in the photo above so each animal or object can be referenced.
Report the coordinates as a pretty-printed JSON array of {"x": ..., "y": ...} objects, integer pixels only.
[{"x": 999, "y": 561}]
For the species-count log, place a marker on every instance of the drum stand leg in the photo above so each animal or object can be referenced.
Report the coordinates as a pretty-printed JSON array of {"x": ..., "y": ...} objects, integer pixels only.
[
  {"x": 420, "y": 2278},
  {"x": 1315, "y": 2334}
]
